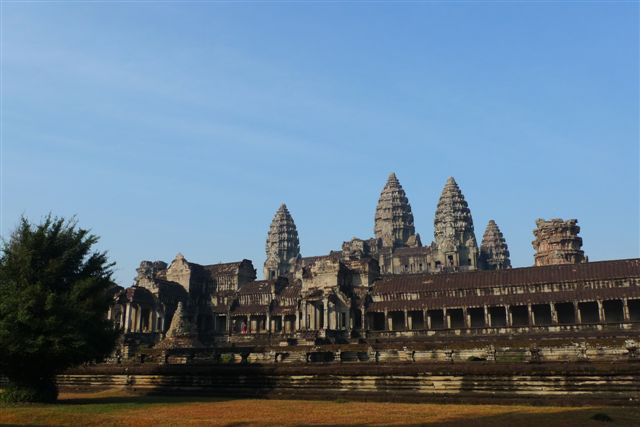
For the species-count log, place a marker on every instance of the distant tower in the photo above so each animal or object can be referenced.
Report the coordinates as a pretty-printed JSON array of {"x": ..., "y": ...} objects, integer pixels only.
[
  {"x": 394, "y": 220},
  {"x": 494, "y": 253},
  {"x": 557, "y": 242},
  {"x": 283, "y": 245},
  {"x": 453, "y": 230}
]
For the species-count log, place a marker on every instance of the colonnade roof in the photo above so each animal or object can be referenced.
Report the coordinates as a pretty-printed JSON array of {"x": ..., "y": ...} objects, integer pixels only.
[{"x": 599, "y": 270}]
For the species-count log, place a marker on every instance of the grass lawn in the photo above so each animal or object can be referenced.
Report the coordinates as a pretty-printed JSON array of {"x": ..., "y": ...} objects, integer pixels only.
[{"x": 118, "y": 408}]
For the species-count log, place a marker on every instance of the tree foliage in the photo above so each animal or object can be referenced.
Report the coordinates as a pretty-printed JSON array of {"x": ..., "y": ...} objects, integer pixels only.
[{"x": 54, "y": 294}]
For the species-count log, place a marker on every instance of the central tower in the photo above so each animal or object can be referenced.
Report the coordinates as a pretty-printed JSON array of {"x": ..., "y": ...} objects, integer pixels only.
[
  {"x": 394, "y": 220},
  {"x": 453, "y": 230}
]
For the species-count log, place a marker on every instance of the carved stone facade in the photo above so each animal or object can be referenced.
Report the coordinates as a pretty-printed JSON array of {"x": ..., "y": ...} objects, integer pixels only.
[
  {"x": 387, "y": 286},
  {"x": 557, "y": 242}
]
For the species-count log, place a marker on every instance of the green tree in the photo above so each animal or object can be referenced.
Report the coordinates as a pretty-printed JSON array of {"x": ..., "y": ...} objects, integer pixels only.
[{"x": 54, "y": 295}]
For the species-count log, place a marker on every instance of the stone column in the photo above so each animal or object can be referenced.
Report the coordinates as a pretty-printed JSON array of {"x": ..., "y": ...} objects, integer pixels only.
[
  {"x": 386, "y": 320},
  {"x": 138, "y": 315},
  {"x": 268, "y": 325},
  {"x": 325, "y": 309},
  {"x": 154, "y": 320},
  {"x": 127, "y": 318},
  {"x": 406, "y": 320},
  {"x": 347, "y": 321},
  {"x": 532, "y": 320},
  {"x": 487, "y": 317},
  {"x": 601, "y": 314},
  {"x": 426, "y": 320},
  {"x": 304, "y": 324},
  {"x": 554, "y": 314},
  {"x": 576, "y": 309},
  {"x": 447, "y": 319},
  {"x": 508, "y": 316},
  {"x": 363, "y": 318},
  {"x": 467, "y": 317},
  {"x": 625, "y": 310}
]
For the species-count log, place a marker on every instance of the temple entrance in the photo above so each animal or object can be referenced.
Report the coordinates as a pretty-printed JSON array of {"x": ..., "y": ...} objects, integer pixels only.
[
  {"x": 357, "y": 319},
  {"x": 376, "y": 320},
  {"x": 498, "y": 317},
  {"x": 416, "y": 320},
  {"x": 613, "y": 311},
  {"x": 221, "y": 324},
  {"x": 396, "y": 321},
  {"x": 589, "y": 312},
  {"x": 520, "y": 315},
  {"x": 289, "y": 323},
  {"x": 634, "y": 310},
  {"x": 477, "y": 317},
  {"x": 541, "y": 314},
  {"x": 456, "y": 318},
  {"x": 566, "y": 313},
  {"x": 436, "y": 318}
]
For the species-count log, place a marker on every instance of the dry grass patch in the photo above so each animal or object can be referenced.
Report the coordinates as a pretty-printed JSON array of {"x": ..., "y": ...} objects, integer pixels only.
[{"x": 118, "y": 408}]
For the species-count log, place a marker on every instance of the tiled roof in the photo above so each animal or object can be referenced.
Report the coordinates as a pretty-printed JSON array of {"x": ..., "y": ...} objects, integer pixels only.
[
  {"x": 414, "y": 292},
  {"x": 291, "y": 291},
  {"x": 257, "y": 287},
  {"x": 517, "y": 276},
  {"x": 224, "y": 268},
  {"x": 139, "y": 295}
]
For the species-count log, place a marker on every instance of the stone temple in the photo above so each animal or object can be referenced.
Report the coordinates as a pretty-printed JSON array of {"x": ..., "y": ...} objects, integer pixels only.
[{"x": 387, "y": 288}]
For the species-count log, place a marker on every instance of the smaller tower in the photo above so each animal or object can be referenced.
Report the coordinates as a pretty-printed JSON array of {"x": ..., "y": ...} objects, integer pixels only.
[
  {"x": 494, "y": 253},
  {"x": 283, "y": 245},
  {"x": 557, "y": 242}
]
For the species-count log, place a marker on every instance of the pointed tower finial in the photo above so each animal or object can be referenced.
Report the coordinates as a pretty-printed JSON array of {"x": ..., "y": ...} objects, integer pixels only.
[
  {"x": 283, "y": 244},
  {"x": 394, "y": 219},
  {"x": 494, "y": 252}
]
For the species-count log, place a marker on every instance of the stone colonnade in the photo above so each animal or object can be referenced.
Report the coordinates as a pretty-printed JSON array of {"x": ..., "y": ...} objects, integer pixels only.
[
  {"x": 134, "y": 318},
  {"x": 495, "y": 316}
]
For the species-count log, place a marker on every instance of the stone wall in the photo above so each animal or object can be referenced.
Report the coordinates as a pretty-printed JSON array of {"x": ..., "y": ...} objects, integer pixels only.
[{"x": 479, "y": 381}]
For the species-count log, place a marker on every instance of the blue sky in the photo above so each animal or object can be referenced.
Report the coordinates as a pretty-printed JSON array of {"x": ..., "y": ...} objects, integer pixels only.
[{"x": 181, "y": 127}]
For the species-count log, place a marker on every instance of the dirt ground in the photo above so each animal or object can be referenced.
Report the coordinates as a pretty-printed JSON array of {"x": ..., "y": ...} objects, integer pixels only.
[{"x": 118, "y": 408}]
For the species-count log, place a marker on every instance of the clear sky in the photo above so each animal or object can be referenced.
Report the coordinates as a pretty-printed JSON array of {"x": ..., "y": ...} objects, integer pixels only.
[{"x": 181, "y": 127}]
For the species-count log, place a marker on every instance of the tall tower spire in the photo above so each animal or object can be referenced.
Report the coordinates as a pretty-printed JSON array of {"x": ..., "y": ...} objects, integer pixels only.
[
  {"x": 453, "y": 229},
  {"x": 494, "y": 253},
  {"x": 394, "y": 220},
  {"x": 283, "y": 245}
]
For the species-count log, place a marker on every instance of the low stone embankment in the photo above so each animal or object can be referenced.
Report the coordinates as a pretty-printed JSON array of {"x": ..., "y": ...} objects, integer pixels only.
[{"x": 562, "y": 383}]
